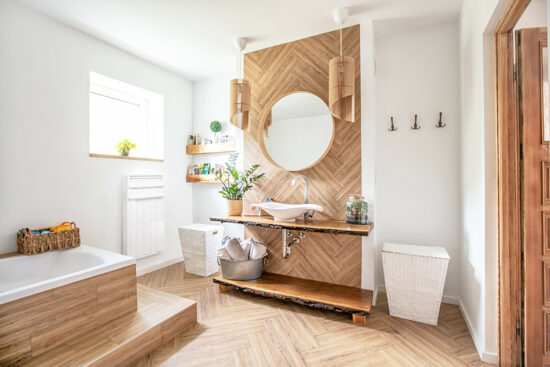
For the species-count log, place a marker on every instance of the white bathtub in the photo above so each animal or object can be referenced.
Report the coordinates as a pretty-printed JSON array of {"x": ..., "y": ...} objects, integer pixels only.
[{"x": 23, "y": 275}]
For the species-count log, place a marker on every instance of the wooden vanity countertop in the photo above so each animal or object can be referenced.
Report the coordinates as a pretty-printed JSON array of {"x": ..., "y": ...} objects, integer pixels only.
[{"x": 312, "y": 225}]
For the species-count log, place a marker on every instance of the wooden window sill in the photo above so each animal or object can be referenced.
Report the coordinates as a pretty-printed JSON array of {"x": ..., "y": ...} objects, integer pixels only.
[{"x": 96, "y": 155}]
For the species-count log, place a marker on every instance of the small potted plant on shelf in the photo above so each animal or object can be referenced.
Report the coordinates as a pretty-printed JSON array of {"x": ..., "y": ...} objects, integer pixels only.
[
  {"x": 216, "y": 127},
  {"x": 124, "y": 147},
  {"x": 236, "y": 184}
]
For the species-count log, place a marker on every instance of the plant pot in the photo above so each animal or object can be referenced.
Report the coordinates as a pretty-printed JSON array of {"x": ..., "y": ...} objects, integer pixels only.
[
  {"x": 234, "y": 207},
  {"x": 125, "y": 153}
]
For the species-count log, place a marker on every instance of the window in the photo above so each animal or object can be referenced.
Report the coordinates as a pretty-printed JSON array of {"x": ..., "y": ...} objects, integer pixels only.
[{"x": 121, "y": 111}]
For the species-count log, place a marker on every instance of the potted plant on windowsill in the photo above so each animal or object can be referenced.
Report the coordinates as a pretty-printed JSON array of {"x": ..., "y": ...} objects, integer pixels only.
[
  {"x": 236, "y": 184},
  {"x": 124, "y": 147}
]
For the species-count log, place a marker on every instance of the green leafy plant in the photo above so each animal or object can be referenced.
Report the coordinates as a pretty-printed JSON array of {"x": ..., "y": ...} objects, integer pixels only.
[
  {"x": 237, "y": 183},
  {"x": 125, "y": 146},
  {"x": 215, "y": 126}
]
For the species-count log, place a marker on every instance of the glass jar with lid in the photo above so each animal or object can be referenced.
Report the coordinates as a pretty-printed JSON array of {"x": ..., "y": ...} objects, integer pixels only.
[{"x": 356, "y": 210}]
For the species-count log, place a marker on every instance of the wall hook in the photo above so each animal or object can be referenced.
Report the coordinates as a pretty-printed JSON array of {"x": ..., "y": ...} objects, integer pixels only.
[
  {"x": 440, "y": 124},
  {"x": 415, "y": 126},
  {"x": 392, "y": 128}
]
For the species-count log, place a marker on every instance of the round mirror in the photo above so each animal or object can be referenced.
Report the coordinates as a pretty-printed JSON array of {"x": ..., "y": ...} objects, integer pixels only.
[{"x": 298, "y": 131}]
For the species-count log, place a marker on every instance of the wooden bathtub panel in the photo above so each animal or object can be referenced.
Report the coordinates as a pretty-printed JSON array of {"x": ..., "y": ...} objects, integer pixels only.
[{"x": 33, "y": 325}]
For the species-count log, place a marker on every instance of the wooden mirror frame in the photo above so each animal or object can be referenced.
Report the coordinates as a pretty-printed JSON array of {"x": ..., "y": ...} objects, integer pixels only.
[{"x": 263, "y": 121}]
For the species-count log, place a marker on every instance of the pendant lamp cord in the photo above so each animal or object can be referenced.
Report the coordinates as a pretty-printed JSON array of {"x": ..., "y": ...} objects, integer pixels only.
[
  {"x": 341, "y": 58},
  {"x": 240, "y": 64}
]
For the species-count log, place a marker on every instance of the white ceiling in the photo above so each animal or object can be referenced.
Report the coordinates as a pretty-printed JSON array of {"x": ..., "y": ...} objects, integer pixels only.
[{"x": 194, "y": 38}]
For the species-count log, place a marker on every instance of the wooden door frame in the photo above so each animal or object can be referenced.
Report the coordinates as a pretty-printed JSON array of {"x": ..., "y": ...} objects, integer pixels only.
[{"x": 509, "y": 185}]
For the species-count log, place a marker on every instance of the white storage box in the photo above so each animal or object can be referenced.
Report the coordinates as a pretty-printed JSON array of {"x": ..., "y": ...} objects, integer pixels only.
[
  {"x": 415, "y": 276},
  {"x": 199, "y": 243}
]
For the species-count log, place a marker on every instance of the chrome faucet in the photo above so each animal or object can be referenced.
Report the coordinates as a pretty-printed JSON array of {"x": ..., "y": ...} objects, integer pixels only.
[
  {"x": 263, "y": 200},
  {"x": 306, "y": 194}
]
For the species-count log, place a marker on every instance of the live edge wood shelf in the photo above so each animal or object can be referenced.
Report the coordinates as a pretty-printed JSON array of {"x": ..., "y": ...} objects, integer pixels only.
[
  {"x": 211, "y": 148},
  {"x": 311, "y": 293},
  {"x": 339, "y": 298},
  {"x": 313, "y": 225}
]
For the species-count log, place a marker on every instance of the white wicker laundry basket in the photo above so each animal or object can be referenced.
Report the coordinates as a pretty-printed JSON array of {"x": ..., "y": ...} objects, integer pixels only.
[
  {"x": 199, "y": 243},
  {"x": 415, "y": 276}
]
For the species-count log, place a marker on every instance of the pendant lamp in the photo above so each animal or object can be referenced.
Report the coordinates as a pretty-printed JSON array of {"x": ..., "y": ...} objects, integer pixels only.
[
  {"x": 341, "y": 78},
  {"x": 239, "y": 90}
]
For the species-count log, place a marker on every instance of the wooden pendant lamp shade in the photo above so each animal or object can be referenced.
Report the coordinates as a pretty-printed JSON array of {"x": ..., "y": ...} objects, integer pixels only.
[
  {"x": 239, "y": 93},
  {"x": 239, "y": 102},
  {"x": 341, "y": 77},
  {"x": 341, "y": 88}
]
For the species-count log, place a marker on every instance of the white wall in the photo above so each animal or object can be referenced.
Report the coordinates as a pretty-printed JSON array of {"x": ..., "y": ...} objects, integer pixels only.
[
  {"x": 369, "y": 260},
  {"x": 533, "y": 16},
  {"x": 417, "y": 171},
  {"x": 47, "y": 175},
  {"x": 211, "y": 102},
  {"x": 479, "y": 225}
]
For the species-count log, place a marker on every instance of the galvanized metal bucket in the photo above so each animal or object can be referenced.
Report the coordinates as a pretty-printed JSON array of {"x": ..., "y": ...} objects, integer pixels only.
[{"x": 242, "y": 270}]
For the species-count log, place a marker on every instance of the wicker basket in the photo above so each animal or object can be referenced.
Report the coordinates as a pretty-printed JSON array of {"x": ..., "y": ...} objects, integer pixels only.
[
  {"x": 415, "y": 277},
  {"x": 234, "y": 207},
  {"x": 30, "y": 243}
]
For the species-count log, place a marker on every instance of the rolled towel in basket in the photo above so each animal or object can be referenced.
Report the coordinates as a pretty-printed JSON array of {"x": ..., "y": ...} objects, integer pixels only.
[
  {"x": 246, "y": 245},
  {"x": 257, "y": 250},
  {"x": 223, "y": 254},
  {"x": 233, "y": 247}
]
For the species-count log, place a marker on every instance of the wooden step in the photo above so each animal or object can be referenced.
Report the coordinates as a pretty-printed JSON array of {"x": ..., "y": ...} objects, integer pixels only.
[
  {"x": 333, "y": 297},
  {"x": 160, "y": 317}
]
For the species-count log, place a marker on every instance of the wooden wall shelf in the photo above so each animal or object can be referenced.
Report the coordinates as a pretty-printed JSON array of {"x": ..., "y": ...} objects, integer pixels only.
[
  {"x": 311, "y": 293},
  {"x": 313, "y": 225},
  {"x": 211, "y": 148},
  {"x": 202, "y": 178},
  {"x": 96, "y": 155}
]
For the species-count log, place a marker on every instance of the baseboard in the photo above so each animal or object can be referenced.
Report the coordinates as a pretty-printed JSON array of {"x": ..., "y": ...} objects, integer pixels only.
[
  {"x": 484, "y": 356},
  {"x": 445, "y": 299},
  {"x": 375, "y": 295},
  {"x": 151, "y": 268}
]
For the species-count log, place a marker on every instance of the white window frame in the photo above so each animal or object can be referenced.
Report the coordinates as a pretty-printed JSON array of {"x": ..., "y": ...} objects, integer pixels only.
[{"x": 152, "y": 102}]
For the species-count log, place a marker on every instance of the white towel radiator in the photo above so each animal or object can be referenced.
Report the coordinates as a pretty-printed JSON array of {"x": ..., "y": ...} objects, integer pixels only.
[{"x": 143, "y": 215}]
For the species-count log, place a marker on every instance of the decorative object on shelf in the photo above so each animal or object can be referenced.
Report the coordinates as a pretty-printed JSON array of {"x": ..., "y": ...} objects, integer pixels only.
[
  {"x": 124, "y": 147},
  {"x": 32, "y": 242},
  {"x": 440, "y": 123},
  {"x": 215, "y": 126},
  {"x": 415, "y": 126},
  {"x": 357, "y": 210},
  {"x": 236, "y": 184},
  {"x": 239, "y": 93},
  {"x": 392, "y": 127},
  {"x": 341, "y": 79}
]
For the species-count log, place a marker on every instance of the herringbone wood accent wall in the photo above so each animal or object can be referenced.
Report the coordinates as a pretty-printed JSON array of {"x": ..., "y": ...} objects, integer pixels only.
[{"x": 303, "y": 66}]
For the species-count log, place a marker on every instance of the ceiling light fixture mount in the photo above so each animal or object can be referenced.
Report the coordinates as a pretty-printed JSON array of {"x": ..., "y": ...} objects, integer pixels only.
[
  {"x": 240, "y": 92},
  {"x": 341, "y": 80}
]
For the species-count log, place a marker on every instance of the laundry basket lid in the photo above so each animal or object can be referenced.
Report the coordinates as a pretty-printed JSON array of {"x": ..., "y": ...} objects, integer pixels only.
[{"x": 415, "y": 250}]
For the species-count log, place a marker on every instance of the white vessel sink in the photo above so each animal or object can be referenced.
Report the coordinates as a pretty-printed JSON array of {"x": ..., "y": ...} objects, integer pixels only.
[{"x": 282, "y": 212}]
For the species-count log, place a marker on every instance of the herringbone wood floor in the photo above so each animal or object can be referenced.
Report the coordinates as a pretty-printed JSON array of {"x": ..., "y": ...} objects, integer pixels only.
[{"x": 236, "y": 329}]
